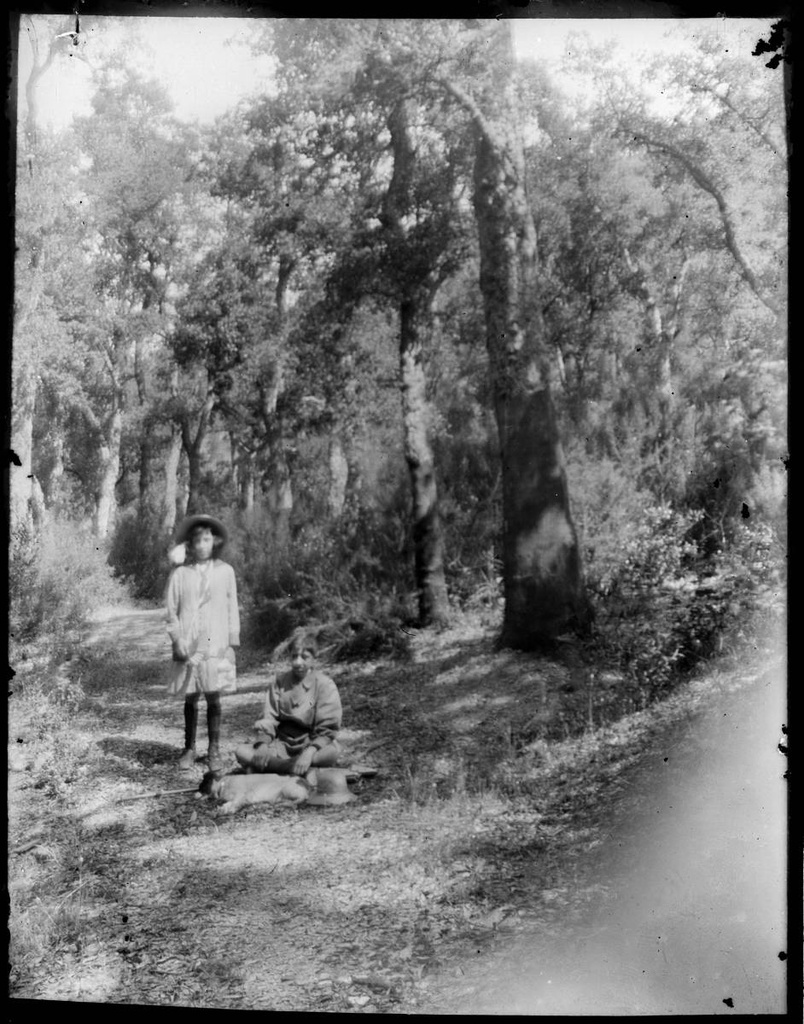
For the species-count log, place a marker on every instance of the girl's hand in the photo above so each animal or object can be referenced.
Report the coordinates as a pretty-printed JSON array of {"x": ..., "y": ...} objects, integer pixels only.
[
  {"x": 180, "y": 650},
  {"x": 304, "y": 761}
]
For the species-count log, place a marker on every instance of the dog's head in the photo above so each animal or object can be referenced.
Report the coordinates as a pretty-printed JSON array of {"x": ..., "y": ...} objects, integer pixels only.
[{"x": 210, "y": 784}]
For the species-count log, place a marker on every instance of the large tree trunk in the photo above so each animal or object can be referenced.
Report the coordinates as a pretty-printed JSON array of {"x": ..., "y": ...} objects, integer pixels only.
[
  {"x": 541, "y": 559},
  {"x": 543, "y": 586}
]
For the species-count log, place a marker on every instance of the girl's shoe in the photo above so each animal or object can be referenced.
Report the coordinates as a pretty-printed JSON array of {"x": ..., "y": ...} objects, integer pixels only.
[{"x": 187, "y": 759}]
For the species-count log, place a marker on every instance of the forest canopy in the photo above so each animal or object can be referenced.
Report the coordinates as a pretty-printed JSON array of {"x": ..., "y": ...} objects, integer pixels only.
[{"x": 435, "y": 327}]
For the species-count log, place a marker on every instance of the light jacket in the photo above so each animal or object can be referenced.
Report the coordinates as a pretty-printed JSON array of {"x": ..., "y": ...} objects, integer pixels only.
[{"x": 302, "y": 713}]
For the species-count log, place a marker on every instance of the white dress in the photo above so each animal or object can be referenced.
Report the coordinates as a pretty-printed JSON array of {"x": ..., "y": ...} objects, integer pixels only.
[{"x": 202, "y": 611}]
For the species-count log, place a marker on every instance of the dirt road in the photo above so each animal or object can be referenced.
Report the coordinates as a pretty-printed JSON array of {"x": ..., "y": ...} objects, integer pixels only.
[
  {"x": 691, "y": 914},
  {"x": 405, "y": 902}
]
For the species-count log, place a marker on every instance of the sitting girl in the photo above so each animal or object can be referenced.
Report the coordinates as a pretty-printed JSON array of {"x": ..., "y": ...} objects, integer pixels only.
[{"x": 301, "y": 719}]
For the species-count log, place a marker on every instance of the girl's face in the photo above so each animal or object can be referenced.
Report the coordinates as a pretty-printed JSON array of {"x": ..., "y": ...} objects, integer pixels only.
[
  {"x": 301, "y": 662},
  {"x": 202, "y": 544}
]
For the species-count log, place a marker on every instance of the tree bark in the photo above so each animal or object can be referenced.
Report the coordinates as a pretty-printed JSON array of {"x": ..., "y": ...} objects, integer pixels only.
[
  {"x": 108, "y": 470},
  {"x": 414, "y": 314},
  {"x": 544, "y": 594},
  {"x": 428, "y": 540},
  {"x": 662, "y": 332},
  {"x": 279, "y": 495},
  {"x": 338, "y": 477},
  {"x": 22, "y": 492},
  {"x": 192, "y": 445},
  {"x": 170, "y": 501}
]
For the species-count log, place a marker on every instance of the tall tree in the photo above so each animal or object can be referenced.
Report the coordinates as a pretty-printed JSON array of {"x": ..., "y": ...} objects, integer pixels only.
[
  {"x": 40, "y": 225},
  {"x": 544, "y": 594},
  {"x": 138, "y": 157}
]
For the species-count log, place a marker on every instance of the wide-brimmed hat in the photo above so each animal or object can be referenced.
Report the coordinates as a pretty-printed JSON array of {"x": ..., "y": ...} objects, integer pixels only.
[
  {"x": 329, "y": 787},
  {"x": 191, "y": 522}
]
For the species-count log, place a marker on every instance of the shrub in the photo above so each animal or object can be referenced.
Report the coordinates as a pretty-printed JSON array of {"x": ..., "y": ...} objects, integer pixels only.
[
  {"x": 54, "y": 590},
  {"x": 381, "y": 637},
  {"x": 138, "y": 555}
]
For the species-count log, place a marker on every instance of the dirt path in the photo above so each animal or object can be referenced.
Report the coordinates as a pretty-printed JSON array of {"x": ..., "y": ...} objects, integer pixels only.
[
  {"x": 400, "y": 902},
  {"x": 689, "y": 910},
  {"x": 269, "y": 909}
]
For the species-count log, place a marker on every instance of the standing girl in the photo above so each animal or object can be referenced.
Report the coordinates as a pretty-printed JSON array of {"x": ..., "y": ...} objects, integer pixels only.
[{"x": 203, "y": 623}]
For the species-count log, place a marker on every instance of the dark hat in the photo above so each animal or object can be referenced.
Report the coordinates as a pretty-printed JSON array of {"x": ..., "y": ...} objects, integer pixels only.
[
  {"x": 329, "y": 787},
  {"x": 191, "y": 522}
]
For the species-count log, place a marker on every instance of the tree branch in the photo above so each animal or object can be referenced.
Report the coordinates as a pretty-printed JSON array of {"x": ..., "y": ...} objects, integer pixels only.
[{"x": 706, "y": 184}]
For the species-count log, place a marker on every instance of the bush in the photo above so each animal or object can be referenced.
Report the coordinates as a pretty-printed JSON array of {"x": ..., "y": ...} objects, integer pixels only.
[
  {"x": 661, "y": 609},
  {"x": 322, "y": 573},
  {"x": 55, "y": 588},
  {"x": 138, "y": 556},
  {"x": 644, "y": 600},
  {"x": 381, "y": 637}
]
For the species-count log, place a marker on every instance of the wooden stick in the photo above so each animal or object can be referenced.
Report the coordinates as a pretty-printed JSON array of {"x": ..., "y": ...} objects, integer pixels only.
[
  {"x": 157, "y": 792},
  {"x": 381, "y": 743}
]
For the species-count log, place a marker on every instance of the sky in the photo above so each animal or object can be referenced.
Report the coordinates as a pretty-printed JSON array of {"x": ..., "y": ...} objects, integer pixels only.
[{"x": 207, "y": 67}]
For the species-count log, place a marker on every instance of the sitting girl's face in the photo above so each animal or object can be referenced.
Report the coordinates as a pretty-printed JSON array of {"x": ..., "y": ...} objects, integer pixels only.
[
  {"x": 202, "y": 544},
  {"x": 301, "y": 661}
]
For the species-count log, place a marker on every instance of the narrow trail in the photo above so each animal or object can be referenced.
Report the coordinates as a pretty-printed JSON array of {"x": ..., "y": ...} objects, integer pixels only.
[
  {"x": 690, "y": 914},
  {"x": 680, "y": 894}
]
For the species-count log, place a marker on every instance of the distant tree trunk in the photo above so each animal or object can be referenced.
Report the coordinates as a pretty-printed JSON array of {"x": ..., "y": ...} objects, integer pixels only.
[
  {"x": 192, "y": 444},
  {"x": 415, "y": 288},
  {"x": 21, "y": 468},
  {"x": 148, "y": 501},
  {"x": 22, "y": 494},
  {"x": 354, "y": 482},
  {"x": 147, "y": 476},
  {"x": 277, "y": 478},
  {"x": 662, "y": 333},
  {"x": 247, "y": 480},
  {"x": 51, "y": 485},
  {"x": 338, "y": 477},
  {"x": 428, "y": 539},
  {"x": 108, "y": 470},
  {"x": 194, "y": 465},
  {"x": 544, "y": 595},
  {"x": 279, "y": 496},
  {"x": 170, "y": 500}
]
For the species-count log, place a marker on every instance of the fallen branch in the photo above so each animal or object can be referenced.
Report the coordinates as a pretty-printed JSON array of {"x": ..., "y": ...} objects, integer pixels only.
[
  {"x": 28, "y": 846},
  {"x": 157, "y": 792}
]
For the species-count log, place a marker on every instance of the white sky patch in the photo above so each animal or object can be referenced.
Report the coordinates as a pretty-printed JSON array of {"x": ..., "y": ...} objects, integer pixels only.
[
  {"x": 547, "y": 37},
  {"x": 207, "y": 67},
  {"x": 204, "y": 63}
]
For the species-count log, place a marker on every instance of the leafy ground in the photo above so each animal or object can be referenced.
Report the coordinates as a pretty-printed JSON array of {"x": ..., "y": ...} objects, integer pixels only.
[{"x": 483, "y": 828}]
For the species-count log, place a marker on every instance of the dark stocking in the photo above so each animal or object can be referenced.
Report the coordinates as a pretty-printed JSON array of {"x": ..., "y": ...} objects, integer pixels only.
[
  {"x": 214, "y": 719},
  {"x": 190, "y": 721}
]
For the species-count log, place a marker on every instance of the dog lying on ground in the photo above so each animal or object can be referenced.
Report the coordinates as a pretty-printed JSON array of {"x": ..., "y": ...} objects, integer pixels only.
[{"x": 236, "y": 791}]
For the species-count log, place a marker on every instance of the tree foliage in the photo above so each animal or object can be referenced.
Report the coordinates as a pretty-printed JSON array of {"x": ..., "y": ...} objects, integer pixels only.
[{"x": 294, "y": 318}]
